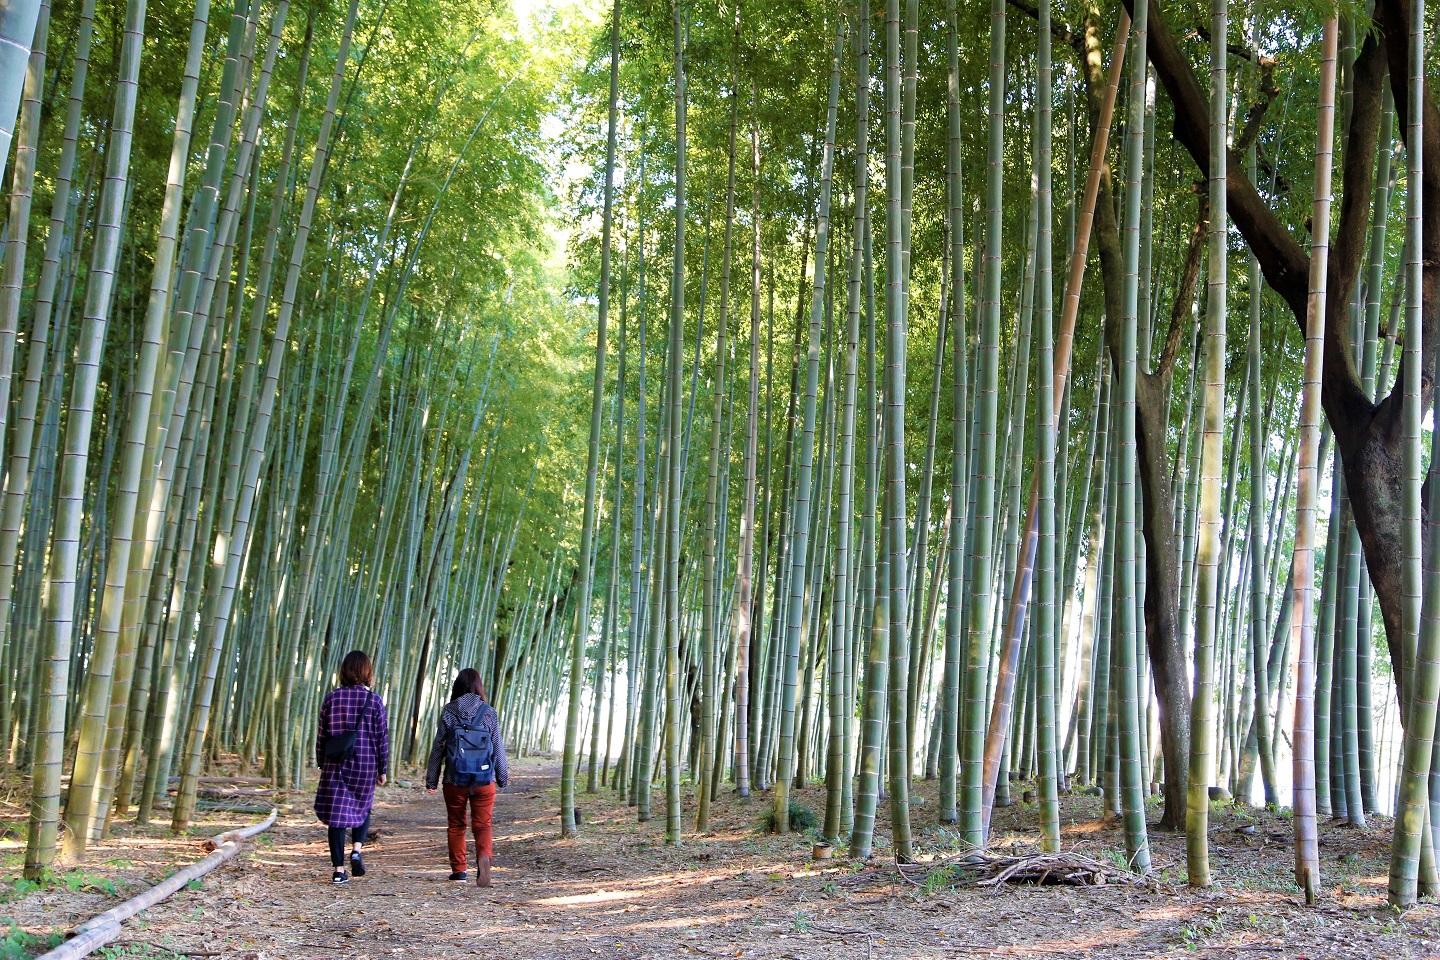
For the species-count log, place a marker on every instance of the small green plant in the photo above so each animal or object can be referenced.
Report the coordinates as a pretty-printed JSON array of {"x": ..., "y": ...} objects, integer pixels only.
[
  {"x": 802, "y": 819},
  {"x": 1201, "y": 930},
  {"x": 19, "y": 887},
  {"x": 938, "y": 879},
  {"x": 16, "y": 944},
  {"x": 77, "y": 881},
  {"x": 802, "y": 923},
  {"x": 149, "y": 951},
  {"x": 74, "y": 881},
  {"x": 1118, "y": 858}
]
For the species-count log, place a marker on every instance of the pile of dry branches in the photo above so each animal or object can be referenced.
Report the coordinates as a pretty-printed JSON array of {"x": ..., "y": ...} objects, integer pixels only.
[{"x": 989, "y": 868}]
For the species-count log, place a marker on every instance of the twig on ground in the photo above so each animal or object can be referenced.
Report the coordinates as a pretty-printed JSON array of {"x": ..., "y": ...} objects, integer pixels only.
[{"x": 840, "y": 933}]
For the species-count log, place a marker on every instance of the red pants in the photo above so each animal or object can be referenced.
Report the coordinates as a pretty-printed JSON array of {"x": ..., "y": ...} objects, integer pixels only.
[{"x": 481, "y": 801}]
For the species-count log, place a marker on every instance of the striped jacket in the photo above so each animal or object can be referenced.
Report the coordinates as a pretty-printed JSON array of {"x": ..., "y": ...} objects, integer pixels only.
[{"x": 454, "y": 713}]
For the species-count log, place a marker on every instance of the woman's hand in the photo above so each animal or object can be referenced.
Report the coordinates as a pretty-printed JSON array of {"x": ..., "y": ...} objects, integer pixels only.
[
  {"x": 430, "y": 790},
  {"x": 381, "y": 780}
]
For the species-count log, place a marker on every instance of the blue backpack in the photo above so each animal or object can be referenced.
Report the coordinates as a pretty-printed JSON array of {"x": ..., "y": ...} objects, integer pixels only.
[{"x": 472, "y": 753}]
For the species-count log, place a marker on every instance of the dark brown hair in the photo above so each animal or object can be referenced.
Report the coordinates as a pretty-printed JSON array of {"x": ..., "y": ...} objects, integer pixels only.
[
  {"x": 467, "y": 681},
  {"x": 355, "y": 670}
]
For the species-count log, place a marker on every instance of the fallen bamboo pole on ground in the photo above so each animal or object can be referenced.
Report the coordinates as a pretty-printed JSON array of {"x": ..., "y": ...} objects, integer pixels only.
[{"x": 100, "y": 930}]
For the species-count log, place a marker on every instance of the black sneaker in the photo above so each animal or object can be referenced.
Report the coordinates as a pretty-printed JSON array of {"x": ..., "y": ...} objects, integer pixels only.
[
  {"x": 460, "y": 877},
  {"x": 357, "y": 865},
  {"x": 340, "y": 877}
]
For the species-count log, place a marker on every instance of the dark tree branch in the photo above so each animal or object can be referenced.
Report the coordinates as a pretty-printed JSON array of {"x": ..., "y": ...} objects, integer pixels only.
[
  {"x": 1367, "y": 435},
  {"x": 1058, "y": 30},
  {"x": 1347, "y": 251},
  {"x": 1255, "y": 114},
  {"x": 1184, "y": 295},
  {"x": 1283, "y": 261},
  {"x": 1236, "y": 49}
]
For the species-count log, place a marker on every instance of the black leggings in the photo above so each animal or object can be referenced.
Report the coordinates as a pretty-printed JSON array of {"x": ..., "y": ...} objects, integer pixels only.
[{"x": 337, "y": 840}]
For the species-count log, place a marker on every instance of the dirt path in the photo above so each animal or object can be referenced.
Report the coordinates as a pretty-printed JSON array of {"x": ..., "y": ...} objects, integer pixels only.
[{"x": 618, "y": 892}]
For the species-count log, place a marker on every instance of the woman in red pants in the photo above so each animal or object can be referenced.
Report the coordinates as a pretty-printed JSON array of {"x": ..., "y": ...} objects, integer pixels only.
[{"x": 468, "y": 743}]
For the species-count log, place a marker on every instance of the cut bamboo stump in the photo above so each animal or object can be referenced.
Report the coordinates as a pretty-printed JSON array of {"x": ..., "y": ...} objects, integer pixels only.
[{"x": 100, "y": 930}]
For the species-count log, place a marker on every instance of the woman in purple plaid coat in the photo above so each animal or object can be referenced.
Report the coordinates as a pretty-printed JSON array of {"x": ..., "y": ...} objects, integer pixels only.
[{"x": 349, "y": 774}]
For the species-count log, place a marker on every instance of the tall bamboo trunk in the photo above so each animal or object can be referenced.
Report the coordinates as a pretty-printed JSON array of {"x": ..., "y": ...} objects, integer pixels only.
[
  {"x": 1202, "y": 705},
  {"x": 1307, "y": 851},
  {"x": 710, "y": 603},
  {"x": 805, "y": 485},
  {"x": 60, "y": 584},
  {"x": 597, "y": 415},
  {"x": 676, "y": 500},
  {"x": 894, "y": 454},
  {"x": 1421, "y": 622},
  {"x": 1127, "y": 635}
]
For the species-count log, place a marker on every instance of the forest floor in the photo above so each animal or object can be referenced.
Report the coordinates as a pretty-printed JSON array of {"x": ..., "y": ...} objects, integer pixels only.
[{"x": 617, "y": 891}]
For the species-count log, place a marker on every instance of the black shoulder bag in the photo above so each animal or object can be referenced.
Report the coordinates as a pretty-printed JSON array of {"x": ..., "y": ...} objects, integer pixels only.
[{"x": 340, "y": 747}]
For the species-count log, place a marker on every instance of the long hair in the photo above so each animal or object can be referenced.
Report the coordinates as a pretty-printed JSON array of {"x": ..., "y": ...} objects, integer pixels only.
[
  {"x": 467, "y": 681},
  {"x": 356, "y": 670}
]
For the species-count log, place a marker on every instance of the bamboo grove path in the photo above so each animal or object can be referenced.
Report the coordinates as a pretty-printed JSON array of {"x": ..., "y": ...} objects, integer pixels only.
[{"x": 617, "y": 891}]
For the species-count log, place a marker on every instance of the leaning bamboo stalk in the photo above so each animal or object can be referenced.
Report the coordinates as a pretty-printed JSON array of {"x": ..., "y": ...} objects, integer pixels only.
[
  {"x": 12, "y": 273},
  {"x": 157, "y": 430},
  {"x": 1064, "y": 344},
  {"x": 27, "y": 135},
  {"x": 360, "y": 428},
  {"x": 17, "y": 32}
]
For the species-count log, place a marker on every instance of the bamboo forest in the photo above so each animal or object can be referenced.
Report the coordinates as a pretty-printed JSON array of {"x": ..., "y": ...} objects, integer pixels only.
[{"x": 904, "y": 478}]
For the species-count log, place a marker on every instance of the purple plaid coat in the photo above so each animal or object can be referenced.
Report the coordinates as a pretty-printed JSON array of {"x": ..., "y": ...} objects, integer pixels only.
[{"x": 348, "y": 789}]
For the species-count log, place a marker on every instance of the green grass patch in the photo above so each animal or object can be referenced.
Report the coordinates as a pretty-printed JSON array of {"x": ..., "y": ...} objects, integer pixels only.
[
  {"x": 73, "y": 881},
  {"x": 802, "y": 819},
  {"x": 16, "y": 944}
]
